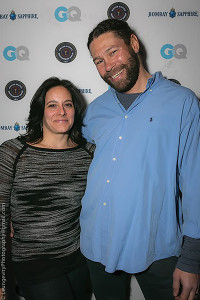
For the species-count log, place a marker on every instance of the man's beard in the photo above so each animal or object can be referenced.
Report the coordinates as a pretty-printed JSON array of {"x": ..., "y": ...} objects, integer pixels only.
[{"x": 132, "y": 73}]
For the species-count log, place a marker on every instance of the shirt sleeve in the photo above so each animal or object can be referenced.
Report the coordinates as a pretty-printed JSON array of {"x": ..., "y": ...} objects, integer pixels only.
[{"x": 189, "y": 185}]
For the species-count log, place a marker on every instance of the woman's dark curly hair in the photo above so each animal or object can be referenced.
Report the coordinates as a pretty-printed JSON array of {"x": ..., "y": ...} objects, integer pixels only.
[{"x": 34, "y": 133}]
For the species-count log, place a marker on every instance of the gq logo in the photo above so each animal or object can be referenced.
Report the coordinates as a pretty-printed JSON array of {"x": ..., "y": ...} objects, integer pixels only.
[
  {"x": 72, "y": 14},
  {"x": 11, "y": 53},
  {"x": 168, "y": 51}
]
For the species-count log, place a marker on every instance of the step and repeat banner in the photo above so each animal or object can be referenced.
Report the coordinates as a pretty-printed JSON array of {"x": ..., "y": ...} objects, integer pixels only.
[{"x": 42, "y": 38}]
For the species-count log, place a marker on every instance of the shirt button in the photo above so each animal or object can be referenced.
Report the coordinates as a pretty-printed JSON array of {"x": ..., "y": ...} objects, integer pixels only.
[
  {"x": 104, "y": 204},
  {"x": 107, "y": 180},
  {"x": 126, "y": 117},
  {"x": 120, "y": 137},
  {"x": 151, "y": 90},
  {"x": 114, "y": 158}
]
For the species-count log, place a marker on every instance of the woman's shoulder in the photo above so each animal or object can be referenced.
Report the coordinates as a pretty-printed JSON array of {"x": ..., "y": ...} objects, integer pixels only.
[
  {"x": 12, "y": 145},
  {"x": 90, "y": 148}
]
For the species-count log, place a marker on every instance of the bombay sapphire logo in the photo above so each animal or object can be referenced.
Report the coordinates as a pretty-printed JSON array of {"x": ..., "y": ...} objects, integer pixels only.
[
  {"x": 119, "y": 11},
  {"x": 172, "y": 13},
  {"x": 19, "y": 16},
  {"x": 16, "y": 126},
  {"x": 65, "y": 52},
  {"x": 12, "y": 15},
  {"x": 15, "y": 90}
]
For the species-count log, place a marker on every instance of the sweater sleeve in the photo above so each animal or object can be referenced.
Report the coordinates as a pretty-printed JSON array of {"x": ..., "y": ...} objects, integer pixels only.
[{"x": 7, "y": 157}]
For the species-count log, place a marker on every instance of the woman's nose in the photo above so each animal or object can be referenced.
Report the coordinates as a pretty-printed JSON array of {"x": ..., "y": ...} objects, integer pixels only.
[{"x": 62, "y": 110}]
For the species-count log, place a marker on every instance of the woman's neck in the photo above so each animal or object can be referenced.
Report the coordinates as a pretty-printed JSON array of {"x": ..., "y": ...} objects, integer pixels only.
[{"x": 56, "y": 143}]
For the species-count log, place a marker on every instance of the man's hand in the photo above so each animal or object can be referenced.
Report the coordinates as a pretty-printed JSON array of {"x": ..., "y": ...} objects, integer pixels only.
[{"x": 185, "y": 285}]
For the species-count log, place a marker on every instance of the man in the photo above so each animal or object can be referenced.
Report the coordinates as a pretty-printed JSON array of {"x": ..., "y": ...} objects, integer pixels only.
[{"x": 141, "y": 209}]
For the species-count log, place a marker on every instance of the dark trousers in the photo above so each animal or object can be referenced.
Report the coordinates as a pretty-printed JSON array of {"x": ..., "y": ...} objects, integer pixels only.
[
  {"x": 74, "y": 285},
  {"x": 156, "y": 282}
]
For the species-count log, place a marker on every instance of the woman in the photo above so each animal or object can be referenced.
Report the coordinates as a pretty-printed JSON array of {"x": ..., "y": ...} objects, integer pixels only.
[{"x": 43, "y": 180}]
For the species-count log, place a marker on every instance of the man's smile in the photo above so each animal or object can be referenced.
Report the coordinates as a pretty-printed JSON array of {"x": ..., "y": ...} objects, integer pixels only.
[{"x": 116, "y": 75}]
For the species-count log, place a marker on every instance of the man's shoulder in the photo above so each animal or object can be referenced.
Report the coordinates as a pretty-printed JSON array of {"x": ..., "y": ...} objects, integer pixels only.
[
  {"x": 175, "y": 86},
  {"x": 101, "y": 98}
]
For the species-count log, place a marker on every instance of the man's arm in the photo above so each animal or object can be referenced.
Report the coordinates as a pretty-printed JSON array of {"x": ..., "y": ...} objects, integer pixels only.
[{"x": 186, "y": 278}]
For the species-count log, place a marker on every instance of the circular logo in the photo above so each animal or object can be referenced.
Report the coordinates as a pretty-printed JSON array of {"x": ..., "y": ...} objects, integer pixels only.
[
  {"x": 15, "y": 90},
  {"x": 65, "y": 52},
  {"x": 118, "y": 10}
]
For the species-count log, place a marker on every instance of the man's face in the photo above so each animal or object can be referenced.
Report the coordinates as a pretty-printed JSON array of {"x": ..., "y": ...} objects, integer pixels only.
[{"x": 116, "y": 62}]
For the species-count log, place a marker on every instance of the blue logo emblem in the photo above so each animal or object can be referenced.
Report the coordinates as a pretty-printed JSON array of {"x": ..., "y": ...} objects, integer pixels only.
[
  {"x": 16, "y": 127},
  {"x": 12, "y": 15},
  {"x": 172, "y": 13}
]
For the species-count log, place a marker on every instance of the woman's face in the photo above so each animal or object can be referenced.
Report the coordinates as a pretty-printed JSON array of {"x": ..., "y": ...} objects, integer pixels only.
[{"x": 59, "y": 111}]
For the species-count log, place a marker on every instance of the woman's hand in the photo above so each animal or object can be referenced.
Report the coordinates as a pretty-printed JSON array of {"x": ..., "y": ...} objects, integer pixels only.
[{"x": 2, "y": 294}]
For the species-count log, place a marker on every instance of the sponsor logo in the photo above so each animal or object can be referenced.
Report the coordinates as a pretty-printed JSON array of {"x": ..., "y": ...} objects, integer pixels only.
[
  {"x": 118, "y": 10},
  {"x": 62, "y": 14},
  {"x": 11, "y": 53},
  {"x": 169, "y": 51},
  {"x": 172, "y": 13},
  {"x": 65, "y": 52},
  {"x": 15, "y": 90},
  {"x": 85, "y": 91},
  {"x": 15, "y": 127},
  {"x": 13, "y": 16}
]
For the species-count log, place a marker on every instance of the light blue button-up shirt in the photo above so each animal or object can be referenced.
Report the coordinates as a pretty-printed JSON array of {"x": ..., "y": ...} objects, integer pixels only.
[{"x": 132, "y": 212}]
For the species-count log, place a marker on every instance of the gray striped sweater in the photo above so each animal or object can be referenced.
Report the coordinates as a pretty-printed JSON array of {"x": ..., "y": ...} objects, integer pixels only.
[{"x": 43, "y": 194}]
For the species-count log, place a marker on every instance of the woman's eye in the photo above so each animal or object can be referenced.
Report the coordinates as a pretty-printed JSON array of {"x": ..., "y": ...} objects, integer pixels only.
[{"x": 51, "y": 105}]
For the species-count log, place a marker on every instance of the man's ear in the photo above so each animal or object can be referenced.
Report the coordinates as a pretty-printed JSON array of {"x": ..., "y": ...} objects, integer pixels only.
[{"x": 134, "y": 43}]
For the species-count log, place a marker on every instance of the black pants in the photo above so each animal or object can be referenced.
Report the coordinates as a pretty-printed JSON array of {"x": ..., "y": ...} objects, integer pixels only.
[
  {"x": 156, "y": 282},
  {"x": 74, "y": 285}
]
